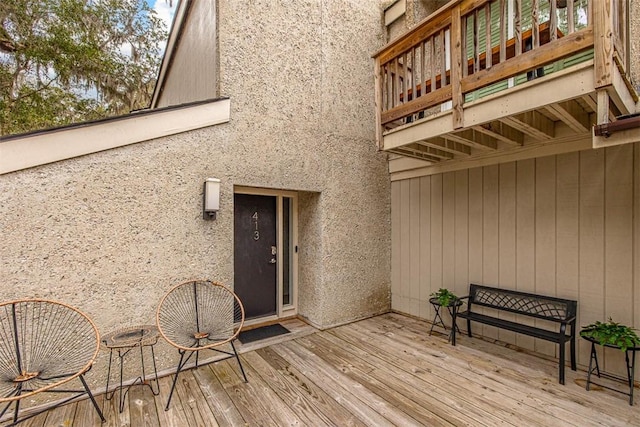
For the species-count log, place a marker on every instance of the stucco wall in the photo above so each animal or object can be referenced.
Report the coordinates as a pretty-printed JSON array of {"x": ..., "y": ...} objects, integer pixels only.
[
  {"x": 306, "y": 114},
  {"x": 111, "y": 232}
]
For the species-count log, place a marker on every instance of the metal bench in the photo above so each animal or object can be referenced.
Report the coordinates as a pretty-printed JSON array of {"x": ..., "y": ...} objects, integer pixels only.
[{"x": 562, "y": 312}]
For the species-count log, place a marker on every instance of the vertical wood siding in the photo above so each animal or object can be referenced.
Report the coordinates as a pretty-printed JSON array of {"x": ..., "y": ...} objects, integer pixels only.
[{"x": 565, "y": 225}]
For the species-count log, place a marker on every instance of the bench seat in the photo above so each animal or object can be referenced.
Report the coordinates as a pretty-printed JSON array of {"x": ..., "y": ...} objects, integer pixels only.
[{"x": 513, "y": 326}]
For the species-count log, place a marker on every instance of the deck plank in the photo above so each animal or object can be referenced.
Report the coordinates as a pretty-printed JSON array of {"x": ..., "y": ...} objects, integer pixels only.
[
  {"x": 142, "y": 406},
  {"x": 527, "y": 373},
  {"x": 308, "y": 390},
  {"x": 376, "y": 409},
  {"x": 175, "y": 415},
  {"x": 255, "y": 400},
  {"x": 87, "y": 415},
  {"x": 449, "y": 397},
  {"x": 380, "y": 371},
  {"x": 394, "y": 387},
  {"x": 219, "y": 401},
  {"x": 111, "y": 411},
  {"x": 299, "y": 404},
  {"x": 514, "y": 382},
  {"x": 331, "y": 383},
  {"x": 193, "y": 402},
  {"x": 476, "y": 393},
  {"x": 62, "y": 417}
]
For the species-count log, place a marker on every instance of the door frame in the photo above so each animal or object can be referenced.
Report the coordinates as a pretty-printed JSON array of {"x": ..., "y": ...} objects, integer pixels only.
[{"x": 291, "y": 309}]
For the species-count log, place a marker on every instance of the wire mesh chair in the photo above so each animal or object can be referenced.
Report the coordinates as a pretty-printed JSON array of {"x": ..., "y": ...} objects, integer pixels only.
[
  {"x": 43, "y": 344},
  {"x": 200, "y": 315}
]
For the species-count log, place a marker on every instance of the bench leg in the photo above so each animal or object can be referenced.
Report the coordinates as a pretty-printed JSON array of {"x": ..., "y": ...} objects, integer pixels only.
[
  {"x": 561, "y": 367},
  {"x": 453, "y": 335},
  {"x": 573, "y": 353},
  {"x": 469, "y": 328}
]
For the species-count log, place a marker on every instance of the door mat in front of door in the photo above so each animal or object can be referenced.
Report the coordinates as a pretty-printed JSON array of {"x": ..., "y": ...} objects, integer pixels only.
[{"x": 262, "y": 333}]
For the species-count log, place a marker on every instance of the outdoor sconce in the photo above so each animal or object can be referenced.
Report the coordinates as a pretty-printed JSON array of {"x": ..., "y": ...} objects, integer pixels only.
[{"x": 211, "y": 203}]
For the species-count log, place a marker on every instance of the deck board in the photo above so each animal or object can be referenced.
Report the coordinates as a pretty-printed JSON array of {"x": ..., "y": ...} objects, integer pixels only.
[{"x": 385, "y": 370}]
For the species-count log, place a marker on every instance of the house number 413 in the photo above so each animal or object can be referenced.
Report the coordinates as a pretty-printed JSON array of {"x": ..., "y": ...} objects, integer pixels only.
[{"x": 256, "y": 232}]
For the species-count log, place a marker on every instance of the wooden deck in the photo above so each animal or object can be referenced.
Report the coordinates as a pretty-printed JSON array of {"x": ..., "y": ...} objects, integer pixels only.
[{"x": 381, "y": 371}]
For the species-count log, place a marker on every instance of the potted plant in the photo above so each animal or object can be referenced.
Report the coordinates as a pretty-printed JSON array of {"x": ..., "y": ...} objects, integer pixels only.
[
  {"x": 611, "y": 333},
  {"x": 444, "y": 297}
]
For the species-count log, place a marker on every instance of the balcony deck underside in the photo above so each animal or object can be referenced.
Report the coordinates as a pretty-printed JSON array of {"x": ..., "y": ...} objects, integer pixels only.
[{"x": 548, "y": 115}]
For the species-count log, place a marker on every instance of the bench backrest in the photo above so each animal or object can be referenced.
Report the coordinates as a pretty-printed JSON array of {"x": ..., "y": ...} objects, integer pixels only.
[{"x": 541, "y": 307}]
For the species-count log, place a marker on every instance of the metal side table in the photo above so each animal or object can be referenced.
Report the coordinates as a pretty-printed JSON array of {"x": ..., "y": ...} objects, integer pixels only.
[
  {"x": 437, "y": 319},
  {"x": 123, "y": 341},
  {"x": 630, "y": 359}
]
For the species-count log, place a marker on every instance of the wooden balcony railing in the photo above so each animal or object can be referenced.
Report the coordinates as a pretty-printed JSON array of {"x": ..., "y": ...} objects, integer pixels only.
[{"x": 472, "y": 44}]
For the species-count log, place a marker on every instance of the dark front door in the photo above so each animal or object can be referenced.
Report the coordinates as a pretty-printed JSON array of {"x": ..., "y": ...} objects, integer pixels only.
[{"x": 255, "y": 253}]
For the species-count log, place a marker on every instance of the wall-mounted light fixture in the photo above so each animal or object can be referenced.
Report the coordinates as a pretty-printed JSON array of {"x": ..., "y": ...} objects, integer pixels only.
[{"x": 211, "y": 203}]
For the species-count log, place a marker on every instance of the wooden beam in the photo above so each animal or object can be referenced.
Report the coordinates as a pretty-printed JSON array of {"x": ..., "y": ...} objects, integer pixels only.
[
  {"x": 501, "y": 132},
  {"x": 415, "y": 153},
  {"x": 539, "y": 149},
  {"x": 435, "y": 152},
  {"x": 421, "y": 103},
  {"x": 550, "y": 52},
  {"x": 532, "y": 123},
  {"x": 603, "y": 111},
  {"x": 473, "y": 139},
  {"x": 622, "y": 136},
  {"x": 378, "y": 82},
  {"x": 448, "y": 146},
  {"x": 457, "y": 96},
  {"x": 603, "y": 43},
  {"x": 590, "y": 101},
  {"x": 573, "y": 115},
  {"x": 621, "y": 91}
]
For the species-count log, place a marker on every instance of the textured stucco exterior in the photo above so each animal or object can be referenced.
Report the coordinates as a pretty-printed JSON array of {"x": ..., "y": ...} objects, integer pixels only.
[{"x": 110, "y": 232}]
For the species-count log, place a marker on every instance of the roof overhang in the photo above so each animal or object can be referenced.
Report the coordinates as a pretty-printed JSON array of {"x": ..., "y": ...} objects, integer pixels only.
[{"x": 38, "y": 148}]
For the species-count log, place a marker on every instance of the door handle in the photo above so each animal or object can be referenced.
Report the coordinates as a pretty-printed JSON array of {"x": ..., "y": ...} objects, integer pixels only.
[{"x": 272, "y": 261}]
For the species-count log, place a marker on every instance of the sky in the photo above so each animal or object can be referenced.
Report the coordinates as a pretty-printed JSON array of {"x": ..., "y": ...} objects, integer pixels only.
[{"x": 164, "y": 10}]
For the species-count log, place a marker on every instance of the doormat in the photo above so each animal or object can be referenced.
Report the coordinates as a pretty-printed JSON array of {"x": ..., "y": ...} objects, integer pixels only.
[{"x": 262, "y": 333}]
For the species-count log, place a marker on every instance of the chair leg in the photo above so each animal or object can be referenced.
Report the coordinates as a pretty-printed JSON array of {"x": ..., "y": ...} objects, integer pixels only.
[
  {"x": 93, "y": 400},
  {"x": 15, "y": 414},
  {"x": 239, "y": 363},
  {"x": 181, "y": 364}
]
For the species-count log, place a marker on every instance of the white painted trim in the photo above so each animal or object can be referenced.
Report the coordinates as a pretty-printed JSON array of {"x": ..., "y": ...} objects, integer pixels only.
[
  {"x": 66, "y": 143},
  {"x": 395, "y": 11}
]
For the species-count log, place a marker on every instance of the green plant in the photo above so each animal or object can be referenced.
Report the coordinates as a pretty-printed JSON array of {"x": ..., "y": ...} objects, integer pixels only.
[
  {"x": 445, "y": 297},
  {"x": 611, "y": 333}
]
